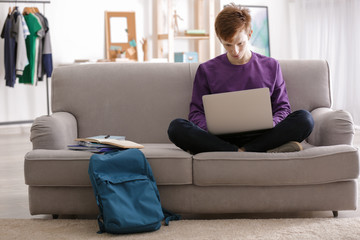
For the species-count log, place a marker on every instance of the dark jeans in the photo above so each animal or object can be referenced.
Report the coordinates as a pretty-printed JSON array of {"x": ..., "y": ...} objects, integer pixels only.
[{"x": 295, "y": 127}]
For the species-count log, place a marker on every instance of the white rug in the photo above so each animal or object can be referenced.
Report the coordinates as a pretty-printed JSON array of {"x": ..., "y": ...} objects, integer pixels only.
[{"x": 299, "y": 228}]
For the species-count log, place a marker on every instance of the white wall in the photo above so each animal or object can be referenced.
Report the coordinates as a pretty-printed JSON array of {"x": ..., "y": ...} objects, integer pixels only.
[
  {"x": 78, "y": 32},
  {"x": 279, "y": 27}
]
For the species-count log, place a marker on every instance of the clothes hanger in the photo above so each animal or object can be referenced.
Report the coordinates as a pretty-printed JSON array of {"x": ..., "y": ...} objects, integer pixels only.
[
  {"x": 29, "y": 10},
  {"x": 14, "y": 8},
  {"x": 34, "y": 10},
  {"x": 26, "y": 11}
]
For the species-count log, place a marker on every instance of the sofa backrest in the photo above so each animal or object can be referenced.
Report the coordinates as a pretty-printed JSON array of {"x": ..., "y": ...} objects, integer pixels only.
[
  {"x": 136, "y": 100},
  {"x": 139, "y": 100},
  {"x": 307, "y": 83}
]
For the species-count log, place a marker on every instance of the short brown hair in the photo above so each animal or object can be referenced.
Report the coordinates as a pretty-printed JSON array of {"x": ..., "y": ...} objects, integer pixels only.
[{"x": 230, "y": 20}]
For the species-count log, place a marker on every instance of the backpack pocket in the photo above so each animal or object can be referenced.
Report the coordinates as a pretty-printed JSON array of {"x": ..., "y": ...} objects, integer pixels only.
[{"x": 128, "y": 205}]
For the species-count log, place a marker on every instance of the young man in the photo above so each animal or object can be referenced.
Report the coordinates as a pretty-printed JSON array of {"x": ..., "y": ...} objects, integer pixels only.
[{"x": 240, "y": 69}]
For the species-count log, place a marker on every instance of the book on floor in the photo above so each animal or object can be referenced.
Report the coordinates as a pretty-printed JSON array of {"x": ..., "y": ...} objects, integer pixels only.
[{"x": 118, "y": 141}]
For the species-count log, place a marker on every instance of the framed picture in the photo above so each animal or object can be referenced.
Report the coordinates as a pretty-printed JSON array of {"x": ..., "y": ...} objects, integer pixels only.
[
  {"x": 260, "y": 39},
  {"x": 120, "y": 35}
]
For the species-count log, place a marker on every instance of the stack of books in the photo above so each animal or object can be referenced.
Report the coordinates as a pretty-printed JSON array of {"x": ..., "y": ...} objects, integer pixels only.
[{"x": 103, "y": 143}]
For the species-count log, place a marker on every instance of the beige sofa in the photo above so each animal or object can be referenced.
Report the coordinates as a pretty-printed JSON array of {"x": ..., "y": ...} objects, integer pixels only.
[{"x": 138, "y": 100}]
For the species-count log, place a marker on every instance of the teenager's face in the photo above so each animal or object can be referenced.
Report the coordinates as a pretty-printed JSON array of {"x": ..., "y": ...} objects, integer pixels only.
[{"x": 238, "y": 49}]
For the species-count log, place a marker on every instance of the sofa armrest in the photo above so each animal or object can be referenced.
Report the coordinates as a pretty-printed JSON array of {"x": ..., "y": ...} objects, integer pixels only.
[
  {"x": 53, "y": 132},
  {"x": 331, "y": 127}
]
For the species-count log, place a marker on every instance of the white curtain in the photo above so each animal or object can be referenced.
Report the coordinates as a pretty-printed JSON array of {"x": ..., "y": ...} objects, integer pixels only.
[{"x": 330, "y": 29}]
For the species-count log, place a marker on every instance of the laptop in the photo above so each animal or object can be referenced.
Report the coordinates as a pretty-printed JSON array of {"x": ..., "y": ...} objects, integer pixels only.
[{"x": 238, "y": 111}]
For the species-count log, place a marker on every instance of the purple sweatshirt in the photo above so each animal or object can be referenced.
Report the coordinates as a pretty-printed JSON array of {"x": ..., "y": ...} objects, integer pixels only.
[{"x": 218, "y": 75}]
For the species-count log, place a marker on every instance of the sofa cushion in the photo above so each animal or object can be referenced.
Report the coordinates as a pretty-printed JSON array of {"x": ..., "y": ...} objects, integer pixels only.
[
  {"x": 170, "y": 166},
  {"x": 316, "y": 165}
]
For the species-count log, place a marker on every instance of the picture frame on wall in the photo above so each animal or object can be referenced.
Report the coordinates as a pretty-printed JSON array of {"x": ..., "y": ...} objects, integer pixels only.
[
  {"x": 260, "y": 39},
  {"x": 120, "y": 35}
]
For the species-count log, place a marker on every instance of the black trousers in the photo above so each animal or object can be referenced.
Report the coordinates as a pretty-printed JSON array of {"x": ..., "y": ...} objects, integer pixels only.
[{"x": 297, "y": 126}]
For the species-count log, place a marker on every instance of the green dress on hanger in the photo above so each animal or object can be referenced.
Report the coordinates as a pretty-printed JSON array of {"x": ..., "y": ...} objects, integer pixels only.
[{"x": 30, "y": 71}]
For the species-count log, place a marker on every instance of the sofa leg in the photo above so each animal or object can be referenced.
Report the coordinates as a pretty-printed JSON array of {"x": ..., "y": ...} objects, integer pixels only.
[
  {"x": 55, "y": 216},
  {"x": 336, "y": 214}
]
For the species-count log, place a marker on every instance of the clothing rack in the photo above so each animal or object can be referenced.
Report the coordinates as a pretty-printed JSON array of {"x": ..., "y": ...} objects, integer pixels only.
[{"x": 47, "y": 81}]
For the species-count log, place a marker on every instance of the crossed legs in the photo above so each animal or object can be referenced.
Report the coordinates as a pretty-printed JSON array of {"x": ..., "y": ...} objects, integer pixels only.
[{"x": 297, "y": 126}]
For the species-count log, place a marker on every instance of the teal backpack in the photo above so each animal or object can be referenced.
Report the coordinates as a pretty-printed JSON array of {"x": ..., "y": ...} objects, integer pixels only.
[{"x": 126, "y": 193}]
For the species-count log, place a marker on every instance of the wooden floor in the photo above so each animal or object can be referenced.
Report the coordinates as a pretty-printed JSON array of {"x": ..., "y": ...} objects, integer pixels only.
[{"x": 15, "y": 143}]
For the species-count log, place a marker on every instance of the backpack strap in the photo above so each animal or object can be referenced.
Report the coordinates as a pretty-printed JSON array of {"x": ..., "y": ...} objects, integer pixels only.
[
  {"x": 101, "y": 224},
  {"x": 170, "y": 216}
]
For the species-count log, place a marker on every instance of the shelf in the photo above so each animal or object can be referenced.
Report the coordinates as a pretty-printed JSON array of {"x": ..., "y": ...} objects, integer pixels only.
[
  {"x": 203, "y": 9},
  {"x": 183, "y": 36}
]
